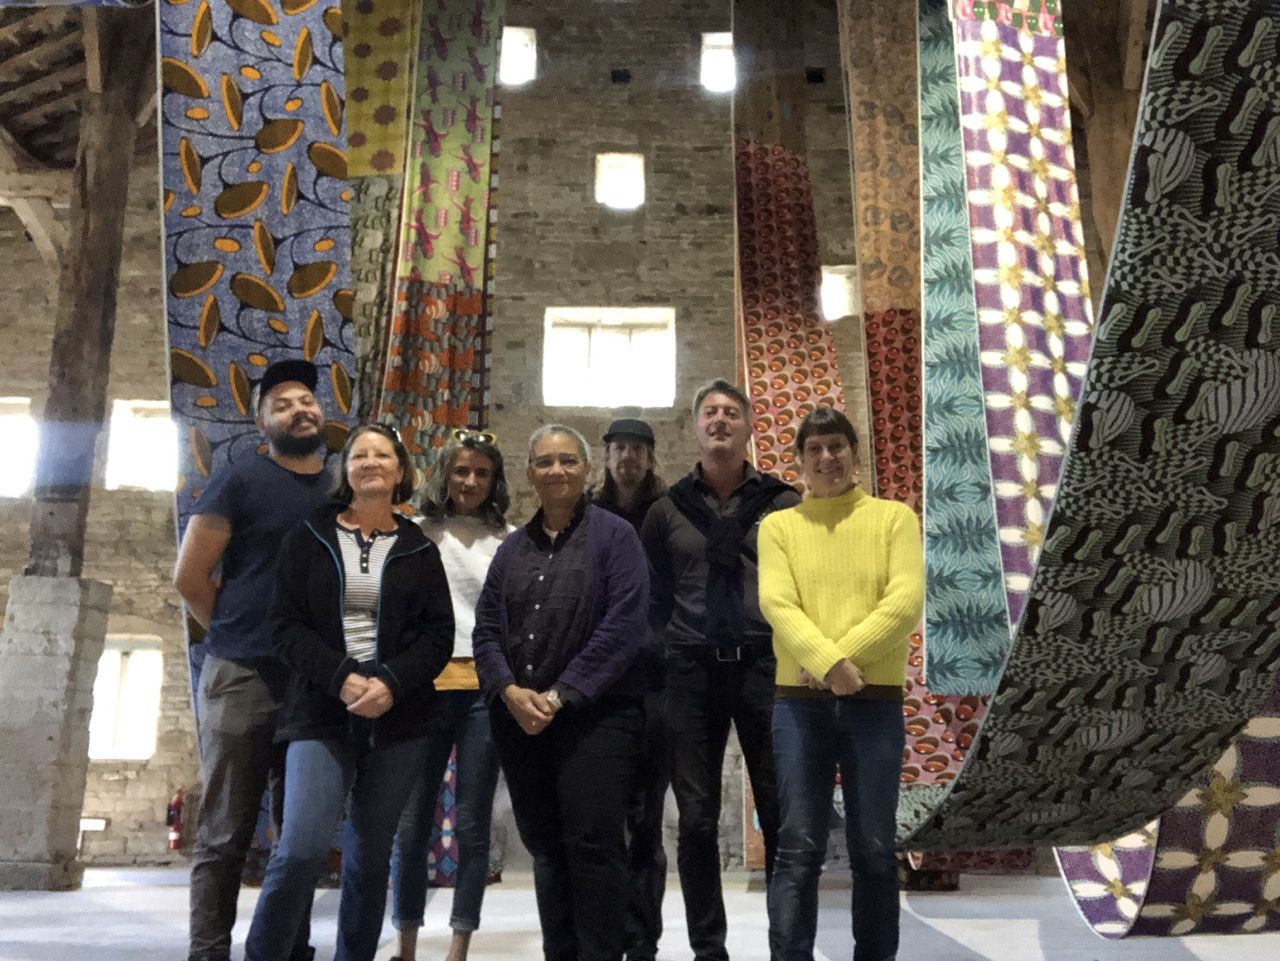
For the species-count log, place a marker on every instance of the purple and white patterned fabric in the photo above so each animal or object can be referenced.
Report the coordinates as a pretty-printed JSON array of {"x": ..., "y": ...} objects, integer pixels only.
[
  {"x": 1211, "y": 865},
  {"x": 1032, "y": 293}
]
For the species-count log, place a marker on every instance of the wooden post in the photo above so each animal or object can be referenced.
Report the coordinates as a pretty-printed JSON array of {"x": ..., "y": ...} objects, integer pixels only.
[{"x": 121, "y": 43}]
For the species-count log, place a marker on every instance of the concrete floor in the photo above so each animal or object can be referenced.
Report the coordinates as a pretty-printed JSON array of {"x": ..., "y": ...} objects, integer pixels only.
[{"x": 141, "y": 915}]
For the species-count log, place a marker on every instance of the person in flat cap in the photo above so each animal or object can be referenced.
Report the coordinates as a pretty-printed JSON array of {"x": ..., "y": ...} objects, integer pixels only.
[
  {"x": 225, "y": 571},
  {"x": 630, "y": 486}
]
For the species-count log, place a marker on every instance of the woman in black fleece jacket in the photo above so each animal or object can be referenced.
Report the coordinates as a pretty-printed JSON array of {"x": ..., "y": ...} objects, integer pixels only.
[{"x": 364, "y": 621}]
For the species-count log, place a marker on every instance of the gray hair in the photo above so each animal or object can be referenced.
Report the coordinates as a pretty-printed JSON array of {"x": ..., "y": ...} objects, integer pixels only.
[
  {"x": 721, "y": 386},
  {"x": 584, "y": 449}
]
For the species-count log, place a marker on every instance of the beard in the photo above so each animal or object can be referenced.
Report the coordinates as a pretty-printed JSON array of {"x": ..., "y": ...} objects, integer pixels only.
[{"x": 294, "y": 446}]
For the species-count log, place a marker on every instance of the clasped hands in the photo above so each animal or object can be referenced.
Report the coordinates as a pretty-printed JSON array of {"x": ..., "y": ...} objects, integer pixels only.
[
  {"x": 366, "y": 696},
  {"x": 843, "y": 679},
  {"x": 530, "y": 708}
]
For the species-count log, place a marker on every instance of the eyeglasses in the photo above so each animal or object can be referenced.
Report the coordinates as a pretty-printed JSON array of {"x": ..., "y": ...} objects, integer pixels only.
[{"x": 464, "y": 434}]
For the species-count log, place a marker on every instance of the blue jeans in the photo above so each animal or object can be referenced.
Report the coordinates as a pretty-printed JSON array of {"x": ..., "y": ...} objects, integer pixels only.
[
  {"x": 318, "y": 777},
  {"x": 461, "y": 719},
  {"x": 811, "y": 737}
]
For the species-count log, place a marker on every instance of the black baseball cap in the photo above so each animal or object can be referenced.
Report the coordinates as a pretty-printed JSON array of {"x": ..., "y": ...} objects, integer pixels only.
[
  {"x": 302, "y": 371},
  {"x": 630, "y": 427}
]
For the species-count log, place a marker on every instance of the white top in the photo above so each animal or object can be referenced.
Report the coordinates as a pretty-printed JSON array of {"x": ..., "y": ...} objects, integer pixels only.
[
  {"x": 362, "y": 563},
  {"x": 467, "y": 546}
]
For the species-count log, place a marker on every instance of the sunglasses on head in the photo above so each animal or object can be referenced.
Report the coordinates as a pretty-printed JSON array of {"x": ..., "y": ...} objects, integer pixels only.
[{"x": 464, "y": 434}]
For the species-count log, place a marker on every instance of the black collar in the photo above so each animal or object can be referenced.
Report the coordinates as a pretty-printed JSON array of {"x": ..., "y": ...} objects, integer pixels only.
[{"x": 538, "y": 534}]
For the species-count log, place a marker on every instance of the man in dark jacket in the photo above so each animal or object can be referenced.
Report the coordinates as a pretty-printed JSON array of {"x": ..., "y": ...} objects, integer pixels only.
[
  {"x": 226, "y": 566},
  {"x": 630, "y": 487},
  {"x": 701, "y": 542}
]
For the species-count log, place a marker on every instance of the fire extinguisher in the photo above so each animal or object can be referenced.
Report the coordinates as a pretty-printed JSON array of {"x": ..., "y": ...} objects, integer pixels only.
[{"x": 173, "y": 820}]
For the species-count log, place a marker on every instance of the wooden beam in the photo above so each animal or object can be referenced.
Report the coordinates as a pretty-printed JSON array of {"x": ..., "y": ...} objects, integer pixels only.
[
  {"x": 37, "y": 215},
  {"x": 50, "y": 83},
  {"x": 38, "y": 21},
  {"x": 91, "y": 17},
  {"x": 1134, "y": 42},
  {"x": 148, "y": 111},
  {"x": 51, "y": 185},
  {"x": 84, "y": 321},
  {"x": 44, "y": 54},
  {"x": 35, "y": 116}
]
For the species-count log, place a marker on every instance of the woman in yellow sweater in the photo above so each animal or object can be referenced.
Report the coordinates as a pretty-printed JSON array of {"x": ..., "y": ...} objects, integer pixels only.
[{"x": 842, "y": 585}]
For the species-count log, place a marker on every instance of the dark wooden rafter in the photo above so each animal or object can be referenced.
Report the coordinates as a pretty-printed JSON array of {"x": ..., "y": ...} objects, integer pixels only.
[
  {"x": 53, "y": 49},
  {"x": 64, "y": 103},
  {"x": 84, "y": 323},
  {"x": 20, "y": 94},
  {"x": 20, "y": 25}
]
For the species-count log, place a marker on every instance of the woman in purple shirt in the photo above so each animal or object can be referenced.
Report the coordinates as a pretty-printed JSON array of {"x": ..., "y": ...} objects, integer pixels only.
[{"x": 558, "y": 629}]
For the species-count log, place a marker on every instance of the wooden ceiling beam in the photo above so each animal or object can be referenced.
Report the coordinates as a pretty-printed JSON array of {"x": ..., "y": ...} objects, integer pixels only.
[
  {"x": 34, "y": 116},
  {"x": 92, "y": 48},
  {"x": 51, "y": 185},
  {"x": 37, "y": 215},
  {"x": 41, "y": 56},
  {"x": 37, "y": 21},
  {"x": 50, "y": 83}
]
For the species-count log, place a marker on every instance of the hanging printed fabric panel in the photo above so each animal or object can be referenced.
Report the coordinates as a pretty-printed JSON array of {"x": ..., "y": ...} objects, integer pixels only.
[
  {"x": 1149, "y": 635},
  {"x": 434, "y": 379},
  {"x": 255, "y": 217}
]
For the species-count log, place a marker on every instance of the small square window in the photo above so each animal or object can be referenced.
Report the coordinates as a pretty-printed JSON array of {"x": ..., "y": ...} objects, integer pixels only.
[
  {"x": 719, "y": 71},
  {"x": 142, "y": 448},
  {"x": 126, "y": 699},
  {"x": 620, "y": 180},
  {"x": 19, "y": 439},
  {"x": 840, "y": 292},
  {"x": 518, "y": 58},
  {"x": 609, "y": 357}
]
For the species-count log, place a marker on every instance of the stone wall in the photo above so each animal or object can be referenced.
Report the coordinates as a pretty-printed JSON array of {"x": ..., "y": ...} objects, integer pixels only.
[{"x": 131, "y": 533}]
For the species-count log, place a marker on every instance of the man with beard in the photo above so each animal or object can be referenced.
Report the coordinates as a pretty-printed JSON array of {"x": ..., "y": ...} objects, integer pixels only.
[
  {"x": 630, "y": 487},
  {"x": 701, "y": 542},
  {"x": 226, "y": 567}
]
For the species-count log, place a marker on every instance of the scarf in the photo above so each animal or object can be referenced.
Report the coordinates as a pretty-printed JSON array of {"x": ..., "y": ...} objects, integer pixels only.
[{"x": 725, "y": 598}]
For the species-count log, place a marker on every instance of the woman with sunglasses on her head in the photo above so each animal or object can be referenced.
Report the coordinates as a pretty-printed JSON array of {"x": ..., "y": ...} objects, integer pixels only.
[
  {"x": 362, "y": 619},
  {"x": 465, "y": 516},
  {"x": 558, "y": 629},
  {"x": 842, "y": 585}
]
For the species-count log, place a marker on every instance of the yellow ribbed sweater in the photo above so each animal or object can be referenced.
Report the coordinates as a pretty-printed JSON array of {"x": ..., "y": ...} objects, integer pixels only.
[{"x": 842, "y": 577}]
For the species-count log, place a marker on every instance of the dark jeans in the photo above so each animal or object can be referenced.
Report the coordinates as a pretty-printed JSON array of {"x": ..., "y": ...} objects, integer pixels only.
[
  {"x": 570, "y": 786},
  {"x": 811, "y": 738},
  {"x": 319, "y": 777},
  {"x": 238, "y": 760},
  {"x": 461, "y": 719},
  {"x": 646, "y": 859},
  {"x": 705, "y": 696}
]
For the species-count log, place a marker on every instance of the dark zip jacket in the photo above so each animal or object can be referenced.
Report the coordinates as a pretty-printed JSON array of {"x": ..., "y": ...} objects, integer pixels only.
[{"x": 414, "y": 633}]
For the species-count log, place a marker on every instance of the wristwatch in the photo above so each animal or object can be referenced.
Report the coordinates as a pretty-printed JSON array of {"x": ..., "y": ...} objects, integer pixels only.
[{"x": 553, "y": 698}]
